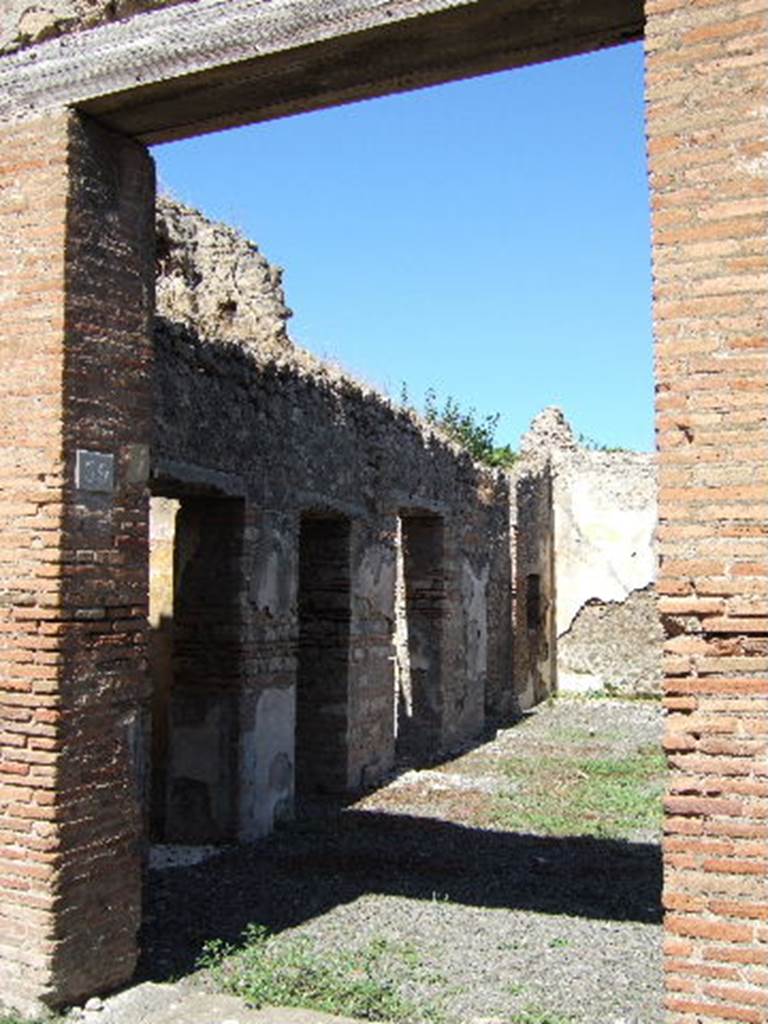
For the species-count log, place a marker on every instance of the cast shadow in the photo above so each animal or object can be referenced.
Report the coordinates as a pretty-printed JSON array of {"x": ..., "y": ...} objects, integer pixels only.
[{"x": 329, "y": 859}]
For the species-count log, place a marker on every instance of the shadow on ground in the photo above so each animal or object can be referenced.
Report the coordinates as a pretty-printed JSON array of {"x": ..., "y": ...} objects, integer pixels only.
[{"x": 332, "y": 856}]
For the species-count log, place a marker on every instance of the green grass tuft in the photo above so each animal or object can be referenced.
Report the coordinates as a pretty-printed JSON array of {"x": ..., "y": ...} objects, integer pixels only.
[
  {"x": 607, "y": 797},
  {"x": 367, "y": 983},
  {"x": 532, "y": 1016}
]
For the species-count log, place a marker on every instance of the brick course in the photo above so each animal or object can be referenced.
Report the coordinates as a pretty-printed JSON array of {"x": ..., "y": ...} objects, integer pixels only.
[
  {"x": 706, "y": 91},
  {"x": 76, "y": 232}
]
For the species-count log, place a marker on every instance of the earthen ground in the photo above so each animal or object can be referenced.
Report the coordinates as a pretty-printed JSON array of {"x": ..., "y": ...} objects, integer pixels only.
[{"x": 569, "y": 925}]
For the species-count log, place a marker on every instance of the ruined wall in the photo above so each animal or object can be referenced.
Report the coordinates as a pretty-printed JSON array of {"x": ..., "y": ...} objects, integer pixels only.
[
  {"x": 217, "y": 283},
  {"x": 241, "y": 412},
  {"x": 585, "y": 527},
  {"x": 500, "y": 701},
  {"x": 613, "y": 646},
  {"x": 608, "y": 629}
]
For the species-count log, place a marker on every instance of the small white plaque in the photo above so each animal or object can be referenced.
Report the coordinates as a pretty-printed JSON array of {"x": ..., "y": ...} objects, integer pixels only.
[{"x": 95, "y": 471}]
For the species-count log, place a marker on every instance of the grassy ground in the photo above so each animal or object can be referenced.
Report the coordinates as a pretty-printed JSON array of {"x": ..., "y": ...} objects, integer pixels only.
[
  {"x": 567, "y": 778},
  {"x": 566, "y": 794},
  {"x": 365, "y": 982}
]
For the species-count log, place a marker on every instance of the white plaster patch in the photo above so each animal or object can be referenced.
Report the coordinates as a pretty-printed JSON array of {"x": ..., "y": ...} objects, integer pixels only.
[
  {"x": 579, "y": 682},
  {"x": 604, "y": 545},
  {"x": 267, "y": 589},
  {"x": 473, "y": 592},
  {"x": 267, "y": 742},
  {"x": 375, "y": 579}
]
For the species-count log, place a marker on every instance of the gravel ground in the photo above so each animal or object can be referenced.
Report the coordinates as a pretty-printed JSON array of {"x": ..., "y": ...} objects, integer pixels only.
[{"x": 503, "y": 921}]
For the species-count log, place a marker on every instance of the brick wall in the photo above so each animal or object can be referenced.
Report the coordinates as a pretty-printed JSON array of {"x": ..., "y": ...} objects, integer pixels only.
[
  {"x": 32, "y": 211},
  {"x": 75, "y": 296},
  {"x": 708, "y": 145},
  {"x": 109, "y": 288}
]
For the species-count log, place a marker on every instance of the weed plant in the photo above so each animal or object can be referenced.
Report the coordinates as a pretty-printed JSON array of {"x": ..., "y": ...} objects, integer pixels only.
[
  {"x": 532, "y": 1016},
  {"x": 368, "y": 983}
]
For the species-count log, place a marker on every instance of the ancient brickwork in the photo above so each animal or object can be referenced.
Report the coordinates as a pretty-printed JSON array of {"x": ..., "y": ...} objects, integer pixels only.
[
  {"x": 109, "y": 286},
  {"x": 708, "y": 137},
  {"x": 32, "y": 212},
  {"x": 74, "y": 582}
]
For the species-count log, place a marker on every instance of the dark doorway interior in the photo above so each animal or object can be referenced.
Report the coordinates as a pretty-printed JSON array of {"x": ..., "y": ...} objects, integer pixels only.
[
  {"x": 323, "y": 665},
  {"x": 195, "y": 653}
]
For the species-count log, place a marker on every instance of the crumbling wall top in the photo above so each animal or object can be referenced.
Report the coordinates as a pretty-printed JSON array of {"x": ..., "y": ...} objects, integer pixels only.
[
  {"x": 549, "y": 431},
  {"x": 550, "y": 441},
  {"x": 215, "y": 281}
]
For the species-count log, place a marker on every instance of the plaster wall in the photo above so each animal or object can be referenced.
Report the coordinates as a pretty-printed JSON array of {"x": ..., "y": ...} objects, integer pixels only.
[
  {"x": 608, "y": 629},
  {"x": 266, "y": 760},
  {"x": 605, "y": 519},
  {"x": 585, "y": 525}
]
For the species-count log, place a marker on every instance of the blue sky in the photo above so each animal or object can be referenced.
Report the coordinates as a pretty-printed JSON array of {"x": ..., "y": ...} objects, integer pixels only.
[{"x": 488, "y": 238}]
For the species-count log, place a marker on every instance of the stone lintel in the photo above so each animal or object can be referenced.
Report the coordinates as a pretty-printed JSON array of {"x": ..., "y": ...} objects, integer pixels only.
[{"x": 204, "y": 65}]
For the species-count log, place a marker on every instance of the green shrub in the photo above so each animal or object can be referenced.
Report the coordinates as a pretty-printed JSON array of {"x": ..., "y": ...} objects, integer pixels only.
[{"x": 473, "y": 433}]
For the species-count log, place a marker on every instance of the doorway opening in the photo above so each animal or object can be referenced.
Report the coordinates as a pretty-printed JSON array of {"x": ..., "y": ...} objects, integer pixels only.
[
  {"x": 324, "y": 609},
  {"x": 195, "y": 664}
]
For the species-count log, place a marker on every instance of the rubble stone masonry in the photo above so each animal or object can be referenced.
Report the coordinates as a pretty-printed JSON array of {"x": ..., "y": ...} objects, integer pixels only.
[
  {"x": 240, "y": 412},
  {"x": 707, "y": 87}
]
